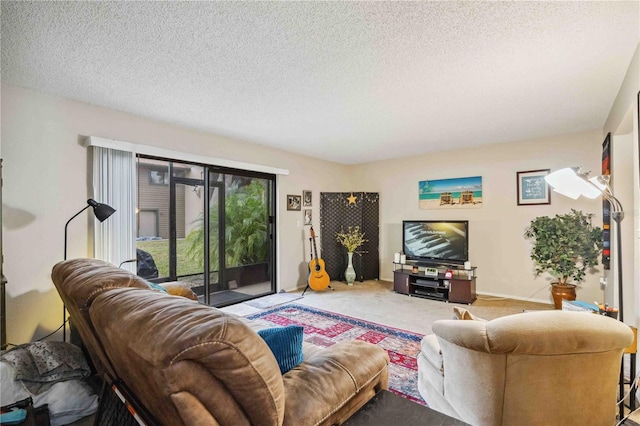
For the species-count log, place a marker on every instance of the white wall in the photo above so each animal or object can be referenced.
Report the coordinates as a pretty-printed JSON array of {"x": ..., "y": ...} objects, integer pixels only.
[
  {"x": 46, "y": 182},
  {"x": 622, "y": 173},
  {"x": 497, "y": 246}
]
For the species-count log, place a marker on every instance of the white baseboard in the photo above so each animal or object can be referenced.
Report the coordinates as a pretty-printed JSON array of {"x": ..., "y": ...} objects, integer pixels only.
[{"x": 510, "y": 296}]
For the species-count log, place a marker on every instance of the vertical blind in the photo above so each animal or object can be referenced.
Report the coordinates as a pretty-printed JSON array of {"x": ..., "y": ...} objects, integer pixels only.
[{"x": 114, "y": 183}]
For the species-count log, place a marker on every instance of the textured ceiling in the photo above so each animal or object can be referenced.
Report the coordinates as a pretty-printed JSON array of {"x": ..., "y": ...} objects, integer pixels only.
[{"x": 349, "y": 82}]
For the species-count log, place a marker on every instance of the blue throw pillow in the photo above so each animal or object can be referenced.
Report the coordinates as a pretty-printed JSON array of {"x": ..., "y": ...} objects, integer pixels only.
[{"x": 286, "y": 345}]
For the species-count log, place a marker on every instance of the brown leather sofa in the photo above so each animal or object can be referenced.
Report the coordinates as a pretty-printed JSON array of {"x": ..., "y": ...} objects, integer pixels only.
[{"x": 183, "y": 363}]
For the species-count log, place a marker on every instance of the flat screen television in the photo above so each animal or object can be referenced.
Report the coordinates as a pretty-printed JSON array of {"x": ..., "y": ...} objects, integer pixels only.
[{"x": 436, "y": 241}]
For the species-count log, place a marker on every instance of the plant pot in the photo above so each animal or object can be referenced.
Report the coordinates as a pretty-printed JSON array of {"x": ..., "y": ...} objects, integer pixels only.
[{"x": 560, "y": 292}]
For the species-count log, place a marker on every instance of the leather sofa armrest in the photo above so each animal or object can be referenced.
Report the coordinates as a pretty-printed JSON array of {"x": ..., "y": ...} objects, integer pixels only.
[{"x": 331, "y": 379}]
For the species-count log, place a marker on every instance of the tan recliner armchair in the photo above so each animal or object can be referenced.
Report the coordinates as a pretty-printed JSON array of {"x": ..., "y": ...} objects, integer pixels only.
[{"x": 536, "y": 368}]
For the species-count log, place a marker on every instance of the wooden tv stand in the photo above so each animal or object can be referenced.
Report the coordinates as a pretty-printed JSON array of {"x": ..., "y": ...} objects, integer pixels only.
[{"x": 461, "y": 288}]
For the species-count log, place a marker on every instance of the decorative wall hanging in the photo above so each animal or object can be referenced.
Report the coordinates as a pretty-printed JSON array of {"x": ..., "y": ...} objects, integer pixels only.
[
  {"x": 532, "y": 188},
  {"x": 294, "y": 202},
  {"x": 450, "y": 193},
  {"x": 606, "y": 207},
  {"x": 306, "y": 198},
  {"x": 338, "y": 211},
  {"x": 307, "y": 217}
]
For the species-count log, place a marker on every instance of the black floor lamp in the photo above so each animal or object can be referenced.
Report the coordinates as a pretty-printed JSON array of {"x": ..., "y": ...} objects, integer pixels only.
[{"x": 102, "y": 212}]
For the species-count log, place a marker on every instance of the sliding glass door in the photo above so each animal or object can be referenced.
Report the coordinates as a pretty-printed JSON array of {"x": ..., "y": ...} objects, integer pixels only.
[{"x": 225, "y": 255}]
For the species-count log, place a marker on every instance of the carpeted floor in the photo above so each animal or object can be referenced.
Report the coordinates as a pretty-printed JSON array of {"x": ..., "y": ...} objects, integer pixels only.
[
  {"x": 272, "y": 300},
  {"x": 322, "y": 328}
]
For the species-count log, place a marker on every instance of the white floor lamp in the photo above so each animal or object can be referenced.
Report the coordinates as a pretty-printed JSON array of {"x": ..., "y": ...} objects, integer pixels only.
[{"x": 573, "y": 183}]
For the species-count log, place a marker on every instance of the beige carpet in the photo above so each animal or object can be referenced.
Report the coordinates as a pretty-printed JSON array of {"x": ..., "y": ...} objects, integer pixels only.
[{"x": 375, "y": 301}]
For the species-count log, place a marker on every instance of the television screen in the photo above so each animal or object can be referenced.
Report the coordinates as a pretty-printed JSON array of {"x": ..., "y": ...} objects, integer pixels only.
[{"x": 433, "y": 241}]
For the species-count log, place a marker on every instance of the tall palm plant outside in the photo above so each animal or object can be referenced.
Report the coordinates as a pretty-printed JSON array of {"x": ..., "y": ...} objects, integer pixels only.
[{"x": 245, "y": 227}]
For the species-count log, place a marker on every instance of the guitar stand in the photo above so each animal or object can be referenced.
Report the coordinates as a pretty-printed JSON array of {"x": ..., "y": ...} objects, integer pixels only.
[{"x": 307, "y": 287}]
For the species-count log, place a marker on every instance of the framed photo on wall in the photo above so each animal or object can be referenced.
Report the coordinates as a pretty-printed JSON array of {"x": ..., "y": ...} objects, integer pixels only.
[
  {"x": 294, "y": 202},
  {"x": 532, "y": 188},
  {"x": 306, "y": 198},
  {"x": 307, "y": 217}
]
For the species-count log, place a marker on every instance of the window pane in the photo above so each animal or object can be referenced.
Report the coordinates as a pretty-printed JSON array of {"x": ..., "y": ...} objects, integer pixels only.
[{"x": 153, "y": 218}]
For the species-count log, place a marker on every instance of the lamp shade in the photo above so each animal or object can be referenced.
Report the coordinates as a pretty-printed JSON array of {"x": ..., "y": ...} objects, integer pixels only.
[
  {"x": 102, "y": 211},
  {"x": 569, "y": 183},
  {"x": 567, "y": 193},
  {"x": 601, "y": 182}
]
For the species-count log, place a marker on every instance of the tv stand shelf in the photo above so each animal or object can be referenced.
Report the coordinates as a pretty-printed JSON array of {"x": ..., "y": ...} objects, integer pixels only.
[{"x": 460, "y": 288}]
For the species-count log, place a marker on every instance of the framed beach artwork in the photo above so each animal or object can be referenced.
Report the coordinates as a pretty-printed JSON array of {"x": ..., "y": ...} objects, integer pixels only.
[
  {"x": 450, "y": 193},
  {"x": 532, "y": 188}
]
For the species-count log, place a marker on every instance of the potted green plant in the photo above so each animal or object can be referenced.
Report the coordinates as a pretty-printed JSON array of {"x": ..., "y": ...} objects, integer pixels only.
[{"x": 565, "y": 246}]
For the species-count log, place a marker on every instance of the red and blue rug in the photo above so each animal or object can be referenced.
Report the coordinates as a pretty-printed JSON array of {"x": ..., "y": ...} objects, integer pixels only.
[{"x": 322, "y": 328}]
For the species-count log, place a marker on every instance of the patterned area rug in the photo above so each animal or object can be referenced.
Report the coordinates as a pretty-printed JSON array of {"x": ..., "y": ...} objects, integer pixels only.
[{"x": 322, "y": 328}]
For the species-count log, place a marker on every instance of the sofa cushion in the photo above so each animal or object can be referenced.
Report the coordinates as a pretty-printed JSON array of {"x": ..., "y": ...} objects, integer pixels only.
[
  {"x": 286, "y": 345},
  {"x": 82, "y": 280},
  {"x": 177, "y": 288},
  {"x": 175, "y": 353}
]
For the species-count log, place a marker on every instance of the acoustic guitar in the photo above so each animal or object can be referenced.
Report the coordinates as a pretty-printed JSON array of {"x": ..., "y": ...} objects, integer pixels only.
[{"x": 318, "y": 277}]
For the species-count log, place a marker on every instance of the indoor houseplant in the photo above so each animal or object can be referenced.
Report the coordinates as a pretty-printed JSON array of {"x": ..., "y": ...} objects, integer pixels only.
[
  {"x": 565, "y": 246},
  {"x": 351, "y": 240}
]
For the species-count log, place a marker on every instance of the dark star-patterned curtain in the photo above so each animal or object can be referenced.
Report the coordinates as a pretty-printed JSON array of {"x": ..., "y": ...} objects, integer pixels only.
[{"x": 338, "y": 211}]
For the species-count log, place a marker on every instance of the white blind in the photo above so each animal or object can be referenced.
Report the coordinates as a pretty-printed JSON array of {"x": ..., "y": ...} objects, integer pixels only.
[{"x": 114, "y": 183}]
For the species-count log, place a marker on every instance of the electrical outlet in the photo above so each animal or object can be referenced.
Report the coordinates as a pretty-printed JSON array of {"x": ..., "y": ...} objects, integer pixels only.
[{"x": 603, "y": 281}]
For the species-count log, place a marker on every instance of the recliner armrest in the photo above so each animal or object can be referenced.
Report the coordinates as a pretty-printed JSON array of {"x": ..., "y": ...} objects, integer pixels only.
[
  {"x": 467, "y": 334},
  {"x": 538, "y": 333},
  {"x": 332, "y": 379}
]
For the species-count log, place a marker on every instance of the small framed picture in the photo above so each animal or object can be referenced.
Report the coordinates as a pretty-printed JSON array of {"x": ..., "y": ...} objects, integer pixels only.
[
  {"x": 293, "y": 202},
  {"x": 307, "y": 216},
  {"x": 306, "y": 198},
  {"x": 532, "y": 188}
]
